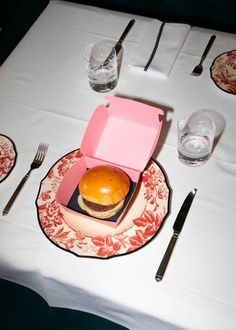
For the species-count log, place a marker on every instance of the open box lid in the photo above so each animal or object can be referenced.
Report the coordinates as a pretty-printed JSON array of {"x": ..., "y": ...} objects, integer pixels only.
[{"x": 125, "y": 133}]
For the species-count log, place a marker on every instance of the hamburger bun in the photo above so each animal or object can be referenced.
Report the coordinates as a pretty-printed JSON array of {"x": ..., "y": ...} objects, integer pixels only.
[{"x": 103, "y": 190}]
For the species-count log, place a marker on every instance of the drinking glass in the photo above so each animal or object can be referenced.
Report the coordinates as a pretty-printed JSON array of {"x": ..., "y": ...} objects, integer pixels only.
[
  {"x": 101, "y": 63},
  {"x": 195, "y": 138}
]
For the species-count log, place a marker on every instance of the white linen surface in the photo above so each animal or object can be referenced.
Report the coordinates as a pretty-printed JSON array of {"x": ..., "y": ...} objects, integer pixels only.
[
  {"x": 171, "y": 42},
  {"x": 45, "y": 96}
]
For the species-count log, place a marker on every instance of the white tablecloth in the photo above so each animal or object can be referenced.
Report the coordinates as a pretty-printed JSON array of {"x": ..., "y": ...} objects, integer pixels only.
[{"x": 44, "y": 96}]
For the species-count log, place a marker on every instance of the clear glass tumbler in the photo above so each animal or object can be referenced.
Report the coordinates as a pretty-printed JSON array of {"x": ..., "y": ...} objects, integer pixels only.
[
  {"x": 101, "y": 63},
  {"x": 196, "y": 134}
]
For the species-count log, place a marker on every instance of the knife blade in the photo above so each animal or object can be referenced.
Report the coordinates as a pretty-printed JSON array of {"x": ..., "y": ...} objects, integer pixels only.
[{"x": 177, "y": 227}]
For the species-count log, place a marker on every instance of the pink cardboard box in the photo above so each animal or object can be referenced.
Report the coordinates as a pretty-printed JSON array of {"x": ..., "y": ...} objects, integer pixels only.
[{"x": 123, "y": 133}]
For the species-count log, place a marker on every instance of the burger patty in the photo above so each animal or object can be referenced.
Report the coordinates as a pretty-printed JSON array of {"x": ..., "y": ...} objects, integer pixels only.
[{"x": 98, "y": 207}]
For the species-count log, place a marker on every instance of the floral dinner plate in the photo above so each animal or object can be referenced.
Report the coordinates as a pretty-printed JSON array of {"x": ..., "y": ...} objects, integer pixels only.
[
  {"x": 7, "y": 156},
  {"x": 140, "y": 224},
  {"x": 223, "y": 71}
]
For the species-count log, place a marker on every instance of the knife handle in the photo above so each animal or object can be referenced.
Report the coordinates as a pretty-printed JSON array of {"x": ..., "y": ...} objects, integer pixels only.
[
  {"x": 162, "y": 268},
  {"x": 128, "y": 27},
  {"x": 119, "y": 42}
]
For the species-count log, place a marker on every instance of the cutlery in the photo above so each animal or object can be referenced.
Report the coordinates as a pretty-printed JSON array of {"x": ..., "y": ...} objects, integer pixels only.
[
  {"x": 124, "y": 34},
  {"x": 118, "y": 45},
  {"x": 37, "y": 162},
  {"x": 198, "y": 69},
  {"x": 177, "y": 227}
]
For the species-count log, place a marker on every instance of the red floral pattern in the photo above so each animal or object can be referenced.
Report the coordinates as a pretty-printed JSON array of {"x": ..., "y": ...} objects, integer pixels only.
[
  {"x": 7, "y": 156},
  {"x": 223, "y": 71},
  {"x": 143, "y": 228}
]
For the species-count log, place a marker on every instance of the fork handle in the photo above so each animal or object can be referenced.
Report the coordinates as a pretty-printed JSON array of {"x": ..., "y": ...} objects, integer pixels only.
[
  {"x": 208, "y": 47},
  {"x": 15, "y": 194}
]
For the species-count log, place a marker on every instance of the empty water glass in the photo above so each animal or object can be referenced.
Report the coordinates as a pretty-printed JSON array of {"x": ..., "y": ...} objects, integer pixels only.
[
  {"x": 195, "y": 138},
  {"x": 101, "y": 63}
]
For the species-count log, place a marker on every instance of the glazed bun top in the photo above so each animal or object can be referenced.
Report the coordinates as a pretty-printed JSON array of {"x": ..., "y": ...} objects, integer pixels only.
[{"x": 104, "y": 185}]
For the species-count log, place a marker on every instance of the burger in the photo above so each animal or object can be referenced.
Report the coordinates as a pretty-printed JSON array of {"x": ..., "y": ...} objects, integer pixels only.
[{"x": 103, "y": 190}]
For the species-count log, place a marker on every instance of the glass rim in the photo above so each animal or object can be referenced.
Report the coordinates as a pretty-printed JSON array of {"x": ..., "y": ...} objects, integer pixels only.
[
  {"x": 188, "y": 116},
  {"x": 88, "y": 49}
]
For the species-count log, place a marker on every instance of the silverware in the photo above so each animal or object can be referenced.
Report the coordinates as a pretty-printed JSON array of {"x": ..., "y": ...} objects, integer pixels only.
[
  {"x": 178, "y": 225},
  {"x": 124, "y": 34},
  {"x": 38, "y": 159},
  {"x": 198, "y": 69},
  {"x": 118, "y": 45}
]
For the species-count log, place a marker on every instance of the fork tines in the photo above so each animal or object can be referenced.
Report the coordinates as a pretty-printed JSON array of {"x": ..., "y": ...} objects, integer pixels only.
[
  {"x": 41, "y": 152},
  {"x": 197, "y": 70}
]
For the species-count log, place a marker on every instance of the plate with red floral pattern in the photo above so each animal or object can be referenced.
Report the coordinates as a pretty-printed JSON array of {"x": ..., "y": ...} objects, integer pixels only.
[
  {"x": 223, "y": 71},
  {"x": 7, "y": 156},
  {"x": 141, "y": 222}
]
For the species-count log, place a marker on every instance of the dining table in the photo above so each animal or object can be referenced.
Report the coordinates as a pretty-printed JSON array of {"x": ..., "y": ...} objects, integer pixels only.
[{"x": 45, "y": 98}]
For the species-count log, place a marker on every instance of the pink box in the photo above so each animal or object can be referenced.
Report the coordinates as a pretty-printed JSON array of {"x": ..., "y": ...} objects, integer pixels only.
[{"x": 123, "y": 133}]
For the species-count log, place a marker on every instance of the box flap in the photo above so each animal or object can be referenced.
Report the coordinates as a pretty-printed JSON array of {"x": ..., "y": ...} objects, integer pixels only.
[{"x": 124, "y": 133}]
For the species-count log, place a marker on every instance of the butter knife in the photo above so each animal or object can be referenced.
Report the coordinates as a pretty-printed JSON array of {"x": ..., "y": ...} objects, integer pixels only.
[
  {"x": 177, "y": 227},
  {"x": 118, "y": 45},
  {"x": 124, "y": 34}
]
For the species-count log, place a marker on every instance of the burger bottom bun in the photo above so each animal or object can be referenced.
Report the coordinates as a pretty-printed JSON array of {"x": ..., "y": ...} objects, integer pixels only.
[{"x": 100, "y": 215}]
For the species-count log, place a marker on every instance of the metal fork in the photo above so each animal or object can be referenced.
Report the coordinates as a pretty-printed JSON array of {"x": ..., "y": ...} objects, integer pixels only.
[
  {"x": 198, "y": 69},
  {"x": 38, "y": 159}
]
